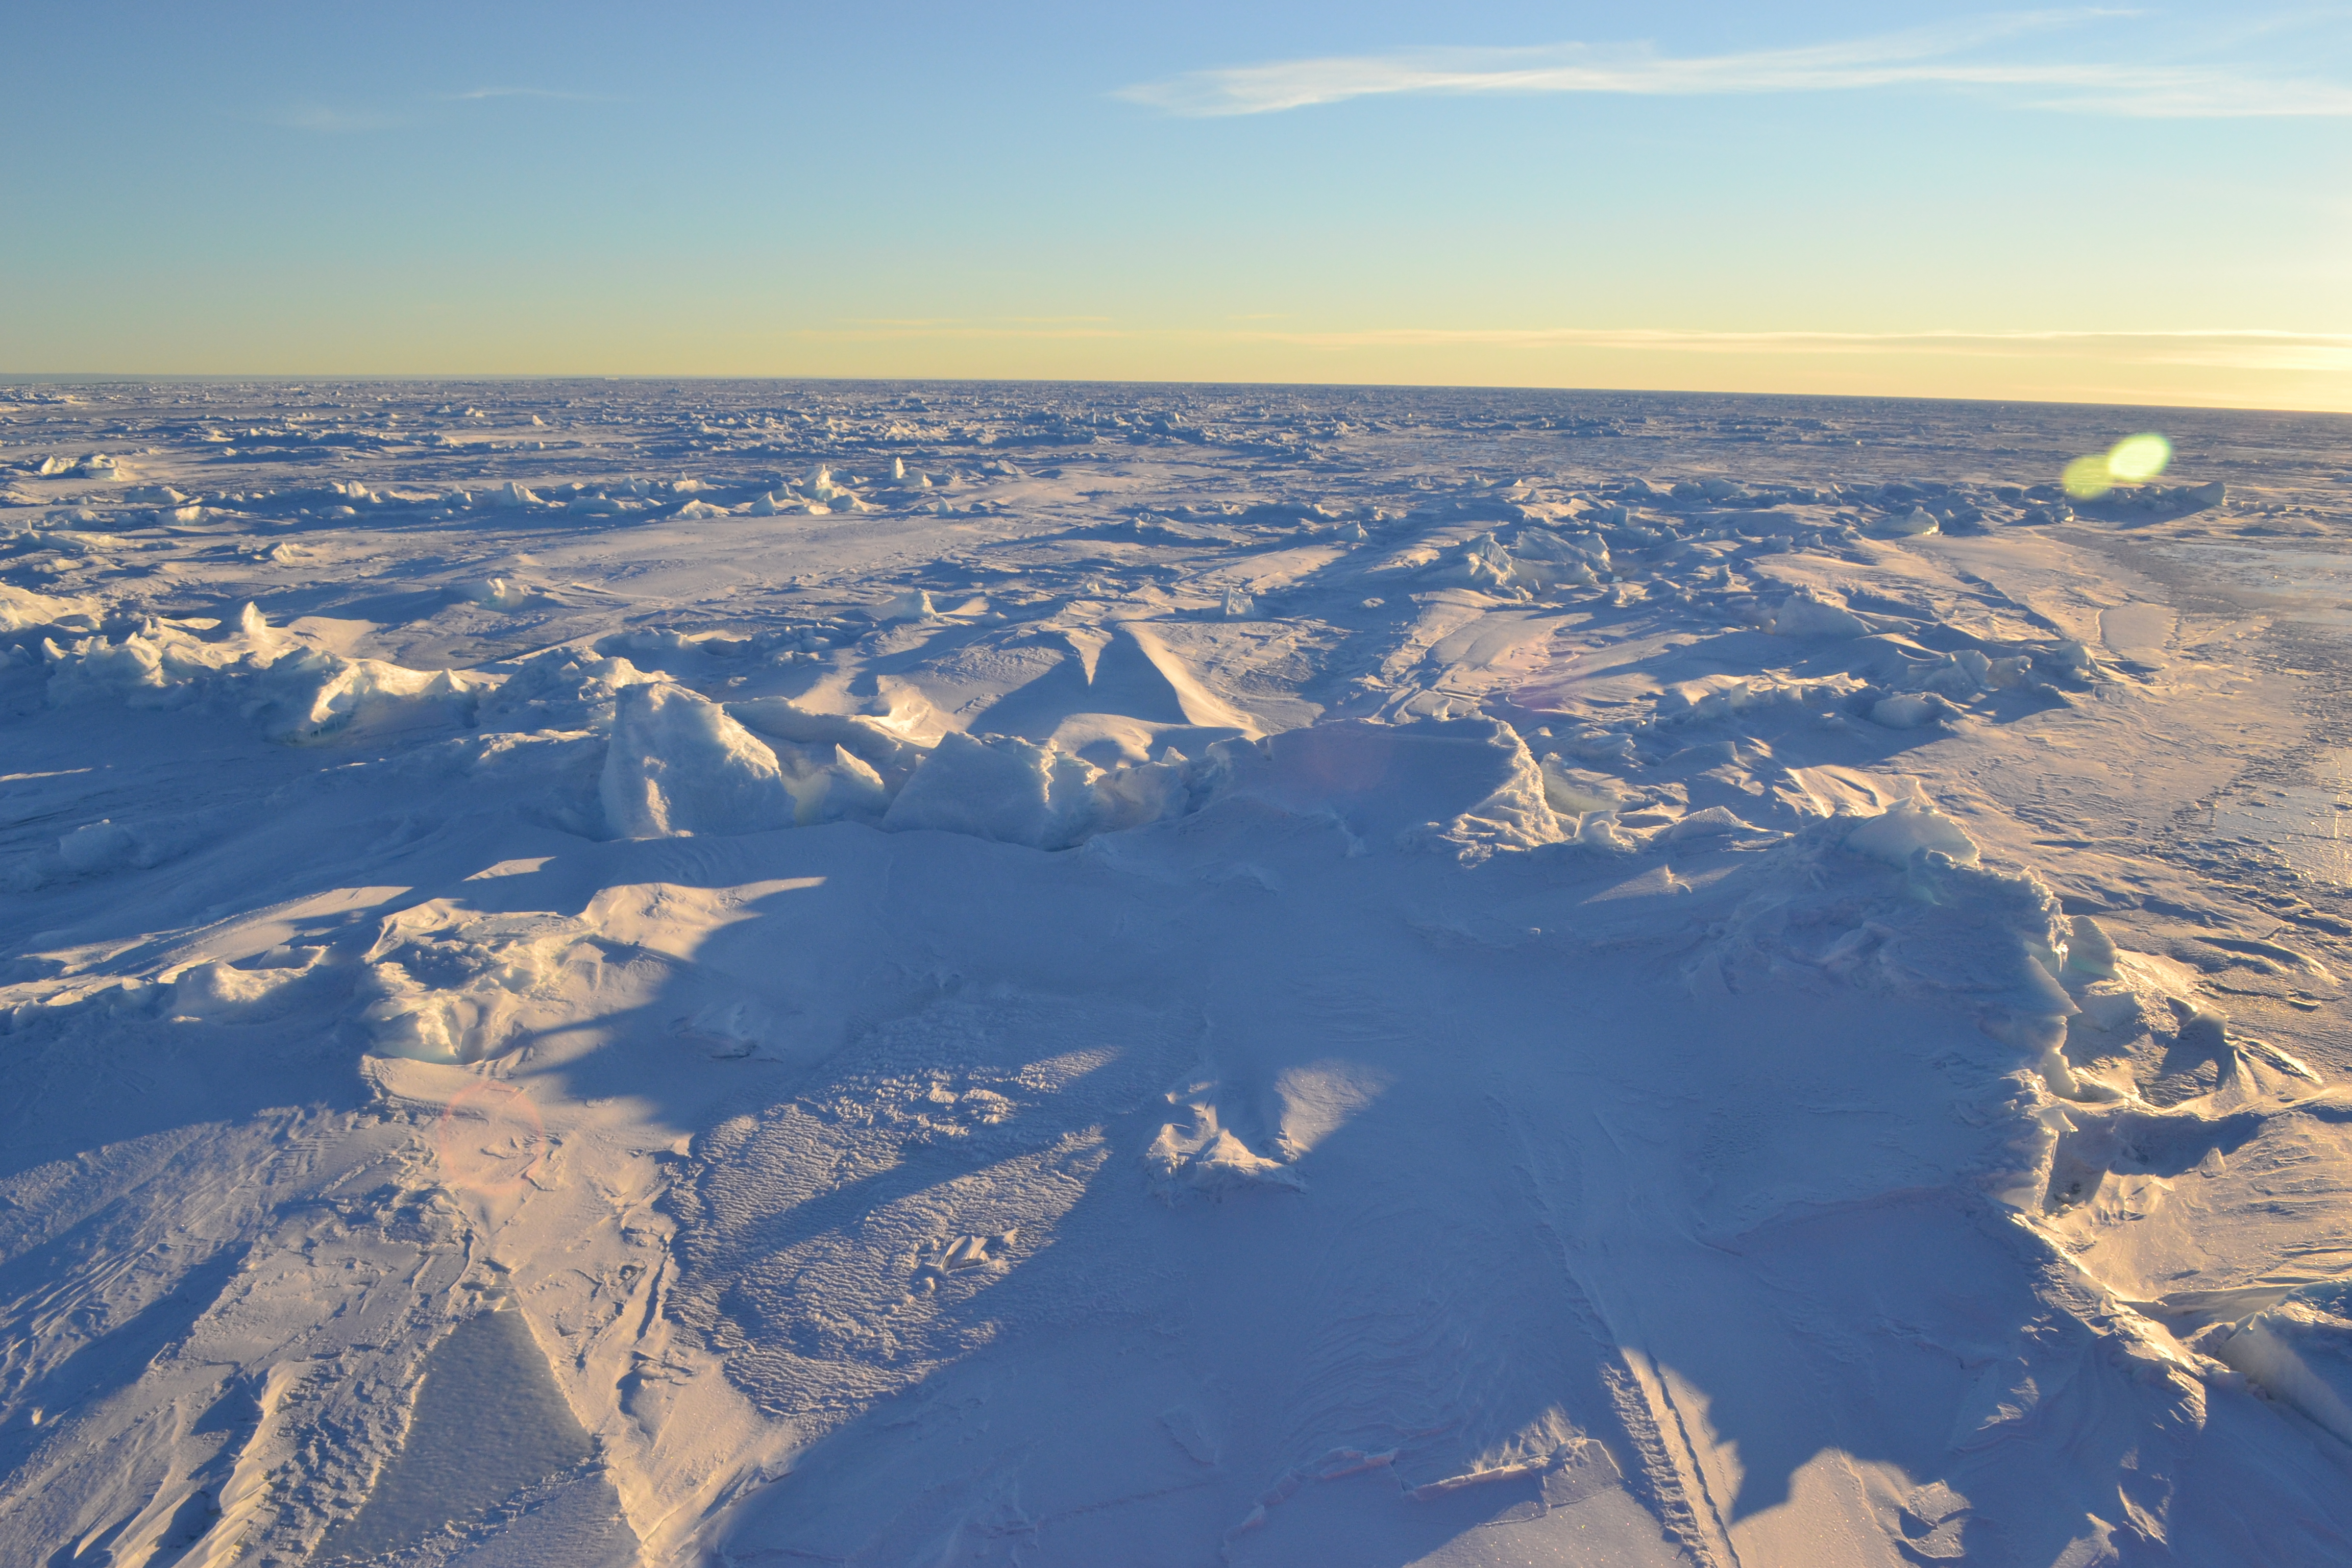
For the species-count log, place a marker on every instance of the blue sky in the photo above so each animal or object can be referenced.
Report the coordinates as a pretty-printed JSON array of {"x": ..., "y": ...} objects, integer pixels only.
[{"x": 2148, "y": 204}]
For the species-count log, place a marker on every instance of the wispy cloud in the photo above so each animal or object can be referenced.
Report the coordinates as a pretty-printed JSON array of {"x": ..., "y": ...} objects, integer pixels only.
[{"x": 1953, "y": 56}]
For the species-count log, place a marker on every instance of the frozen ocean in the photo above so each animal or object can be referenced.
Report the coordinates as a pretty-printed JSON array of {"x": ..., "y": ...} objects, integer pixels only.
[{"x": 618, "y": 973}]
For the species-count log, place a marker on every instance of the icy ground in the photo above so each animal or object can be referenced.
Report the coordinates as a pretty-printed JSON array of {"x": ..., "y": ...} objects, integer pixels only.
[{"x": 759, "y": 973}]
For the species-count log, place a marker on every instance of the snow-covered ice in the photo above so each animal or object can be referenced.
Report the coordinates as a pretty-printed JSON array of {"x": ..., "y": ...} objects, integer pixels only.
[{"x": 599, "y": 973}]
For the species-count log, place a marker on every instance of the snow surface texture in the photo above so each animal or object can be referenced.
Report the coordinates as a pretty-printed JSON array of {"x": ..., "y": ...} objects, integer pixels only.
[{"x": 601, "y": 975}]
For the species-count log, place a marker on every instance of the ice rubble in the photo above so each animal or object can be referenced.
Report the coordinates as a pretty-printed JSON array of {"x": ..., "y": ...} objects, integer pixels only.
[
  {"x": 1196, "y": 1155},
  {"x": 299, "y": 692},
  {"x": 1731, "y": 1022},
  {"x": 442, "y": 984},
  {"x": 678, "y": 763},
  {"x": 21, "y": 609}
]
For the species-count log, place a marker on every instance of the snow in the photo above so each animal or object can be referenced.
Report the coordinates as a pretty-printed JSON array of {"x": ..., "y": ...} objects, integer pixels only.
[{"x": 1082, "y": 974}]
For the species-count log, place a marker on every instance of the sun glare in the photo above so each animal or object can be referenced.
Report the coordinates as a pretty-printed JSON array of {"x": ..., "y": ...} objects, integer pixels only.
[{"x": 2134, "y": 460}]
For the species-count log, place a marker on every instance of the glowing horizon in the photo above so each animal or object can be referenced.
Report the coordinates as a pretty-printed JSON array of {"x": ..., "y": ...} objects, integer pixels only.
[{"x": 2051, "y": 205}]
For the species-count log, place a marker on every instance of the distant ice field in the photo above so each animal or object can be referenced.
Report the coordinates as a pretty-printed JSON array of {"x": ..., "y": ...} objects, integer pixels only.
[{"x": 600, "y": 972}]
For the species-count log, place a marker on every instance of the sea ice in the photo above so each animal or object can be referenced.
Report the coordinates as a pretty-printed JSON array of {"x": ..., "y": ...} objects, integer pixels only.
[{"x": 1059, "y": 974}]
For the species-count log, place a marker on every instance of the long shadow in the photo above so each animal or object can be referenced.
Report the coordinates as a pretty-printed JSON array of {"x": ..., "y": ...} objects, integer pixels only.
[{"x": 1765, "y": 1328}]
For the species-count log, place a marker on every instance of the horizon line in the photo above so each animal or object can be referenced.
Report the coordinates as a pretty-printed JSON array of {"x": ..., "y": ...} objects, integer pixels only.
[{"x": 101, "y": 378}]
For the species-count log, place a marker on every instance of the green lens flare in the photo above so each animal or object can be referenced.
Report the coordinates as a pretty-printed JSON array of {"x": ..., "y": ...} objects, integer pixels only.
[
  {"x": 2087, "y": 478},
  {"x": 2136, "y": 459}
]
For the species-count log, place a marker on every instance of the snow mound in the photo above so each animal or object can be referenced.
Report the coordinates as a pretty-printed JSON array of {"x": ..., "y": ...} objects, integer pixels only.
[
  {"x": 1195, "y": 1154},
  {"x": 1536, "y": 559},
  {"x": 1912, "y": 524},
  {"x": 23, "y": 610},
  {"x": 1468, "y": 784},
  {"x": 1712, "y": 821},
  {"x": 1806, "y": 614},
  {"x": 497, "y": 592},
  {"x": 1897, "y": 902},
  {"x": 1906, "y": 828},
  {"x": 1015, "y": 792},
  {"x": 252, "y": 992},
  {"x": 445, "y": 984},
  {"x": 2301, "y": 1351}
]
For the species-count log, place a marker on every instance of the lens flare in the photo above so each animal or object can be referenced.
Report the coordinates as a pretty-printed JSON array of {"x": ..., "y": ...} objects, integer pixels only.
[
  {"x": 2087, "y": 478},
  {"x": 2136, "y": 459}
]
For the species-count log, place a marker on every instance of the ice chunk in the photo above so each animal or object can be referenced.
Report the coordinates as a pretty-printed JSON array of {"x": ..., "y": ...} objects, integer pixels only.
[
  {"x": 1909, "y": 525},
  {"x": 914, "y": 604},
  {"x": 21, "y": 609},
  {"x": 1806, "y": 614},
  {"x": 1905, "y": 711},
  {"x": 99, "y": 846},
  {"x": 1715, "y": 822},
  {"x": 511, "y": 494},
  {"x": 676, "y": 763},
  {"x": 1542, "y": 559},
  {"x": 1484, "y": 564},
  {"x": 826, "y": 495},
  {"x": 1002, "y": 788},
  {"x": 316, "y": 693},
  {"x": 563, "y": 689},
  {"x": 827, "y": 783},
  {"x": 1904, "y": 829},
  {"x": 1238, "y": 604},
  {"x": 2090, "y": 951},
  {"x": 1575, "y": 790},
  {"x": 498, "y": 592},
  {"x": 892, "y": 757},
  {"x": 698, "y": 511}
]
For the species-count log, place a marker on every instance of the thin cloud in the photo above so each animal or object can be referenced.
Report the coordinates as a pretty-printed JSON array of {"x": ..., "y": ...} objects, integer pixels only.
[{"x": 1942, "y": 55}]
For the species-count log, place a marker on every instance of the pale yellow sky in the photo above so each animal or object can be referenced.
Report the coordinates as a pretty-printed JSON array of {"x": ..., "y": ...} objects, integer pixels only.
[
  {"x": 2196, "y": 369},
  {"x": 2108, "y": 207}
]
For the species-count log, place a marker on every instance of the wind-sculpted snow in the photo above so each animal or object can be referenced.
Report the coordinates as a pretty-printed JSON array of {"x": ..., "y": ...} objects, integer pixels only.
[{"x": 607, "y": 973}]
